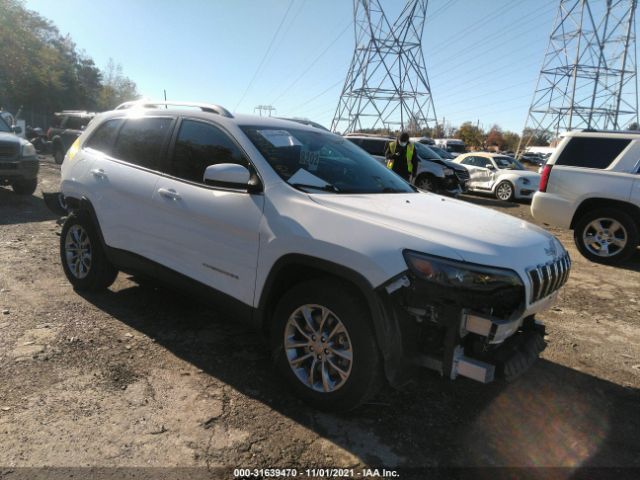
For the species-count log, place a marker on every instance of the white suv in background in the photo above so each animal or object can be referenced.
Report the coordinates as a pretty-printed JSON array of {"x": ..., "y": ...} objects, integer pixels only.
[
  {"x": 591, "y": 184},
  {"x": 354, "y": 274}
]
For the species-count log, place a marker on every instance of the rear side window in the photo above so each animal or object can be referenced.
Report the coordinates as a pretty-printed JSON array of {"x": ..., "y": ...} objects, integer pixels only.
[
  {"x": 104, "y": 136},
  {"x": 76, "y": 123},
  {"x": 200, "y": 145},
  {"x": 374, "y": 147},
  {"x": 591, "y": 152},
  {"x": 141, "y": 141}
]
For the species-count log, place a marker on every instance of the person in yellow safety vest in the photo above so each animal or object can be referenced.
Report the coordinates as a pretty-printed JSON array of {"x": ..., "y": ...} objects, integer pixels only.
[{"x": 400, "y": 157}]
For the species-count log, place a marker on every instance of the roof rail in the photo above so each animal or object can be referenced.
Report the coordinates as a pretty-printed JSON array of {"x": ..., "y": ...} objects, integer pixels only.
[
  {"x": 205, "y": 107},
  {"x": 372, "y": 135}
]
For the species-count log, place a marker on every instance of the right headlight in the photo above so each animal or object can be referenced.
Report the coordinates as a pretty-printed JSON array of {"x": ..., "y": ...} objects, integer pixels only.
[
  {"x": 460, "y": 275},
  {"x": 28, "y": 150}
]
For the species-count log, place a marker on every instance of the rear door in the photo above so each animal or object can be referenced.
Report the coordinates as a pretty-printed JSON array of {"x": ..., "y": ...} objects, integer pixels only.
[
  {"x": 209, "y": 234},
  {"x": 123, "y": 176}
]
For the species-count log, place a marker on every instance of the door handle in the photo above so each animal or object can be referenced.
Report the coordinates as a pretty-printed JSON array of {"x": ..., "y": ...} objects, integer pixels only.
[
  {"x": 169, "y": 193},
  {"x": 98, "y": 173}
]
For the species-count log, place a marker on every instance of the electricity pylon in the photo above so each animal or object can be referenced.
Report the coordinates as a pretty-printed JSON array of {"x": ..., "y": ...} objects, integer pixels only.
[
  {"x": 588, "y": 78},
  {"x": 387, "y": 84}
]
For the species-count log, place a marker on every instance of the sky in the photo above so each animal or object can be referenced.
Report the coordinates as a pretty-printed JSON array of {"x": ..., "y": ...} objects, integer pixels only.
[{"x": 482, "y": 56}]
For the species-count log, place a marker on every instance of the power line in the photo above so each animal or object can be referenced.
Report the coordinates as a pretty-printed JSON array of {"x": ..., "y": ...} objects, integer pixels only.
[
  {"x": 286, "y": 13},
  {"x": 288, "y": 88}
]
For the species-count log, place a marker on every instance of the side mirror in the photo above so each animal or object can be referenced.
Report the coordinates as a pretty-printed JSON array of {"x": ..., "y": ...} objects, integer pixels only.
[
  {"x": 490, "y": 166},
  {"x": 16, "y": 129},
  {"x": 231, "y": 175}
]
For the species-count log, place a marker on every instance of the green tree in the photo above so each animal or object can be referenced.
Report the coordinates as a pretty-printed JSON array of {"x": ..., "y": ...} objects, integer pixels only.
[
  {"x": 116, "y": 88},
  {"x": 535, "y": 138},
  {"x": 43, "y": 71},
  {"x": 511, "y": 141},
  {"x": 471, "y": 135}
]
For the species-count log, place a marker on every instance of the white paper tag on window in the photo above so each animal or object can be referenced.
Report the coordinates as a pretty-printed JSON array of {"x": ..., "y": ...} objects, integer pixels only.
[
  {"x": 309, "y": 160},
  {"x": 279, "y": 138}
]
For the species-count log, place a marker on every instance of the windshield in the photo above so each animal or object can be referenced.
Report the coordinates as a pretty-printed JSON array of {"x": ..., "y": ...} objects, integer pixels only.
[
  {"x": 317, "y": 160},
  {"x": 508, "y": 163},
  {"x": 3, "y": 126},
  {"x": 426, "y": 152},
  {"x": 442, "y": 153}
]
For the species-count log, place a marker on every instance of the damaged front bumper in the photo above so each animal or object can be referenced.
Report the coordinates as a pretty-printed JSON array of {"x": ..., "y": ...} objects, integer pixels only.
[{"x": 455, "y": 339}]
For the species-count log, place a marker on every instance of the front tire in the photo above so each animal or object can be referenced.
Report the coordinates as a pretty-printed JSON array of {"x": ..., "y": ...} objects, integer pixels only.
[
  {"x": 606, "y": 235},
  {"x": 324, "y": 346},
  {"x": 25, "y": 187},
  {"x": 82, "y": 255},
  {"x": 505, "y": 191},
  {"x": 426, "y": 182}
]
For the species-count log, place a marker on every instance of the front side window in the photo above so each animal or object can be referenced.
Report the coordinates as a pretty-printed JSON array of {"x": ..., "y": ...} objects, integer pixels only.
[
  {"x": 141, "y": 141},
  {"x": 200, "y": 145},
  {"x": 507, "y": 163},
  {"x": 104, "y": 136},
  {"x": 313, "y": 160},
  {"x": 592, "y": 152},
  {"x": 3, "y": 126},
  {"x": 375, "y": 147}
]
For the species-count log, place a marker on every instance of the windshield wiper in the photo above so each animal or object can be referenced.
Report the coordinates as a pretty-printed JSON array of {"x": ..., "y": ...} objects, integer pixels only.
[{"x": 327, "y": 188}]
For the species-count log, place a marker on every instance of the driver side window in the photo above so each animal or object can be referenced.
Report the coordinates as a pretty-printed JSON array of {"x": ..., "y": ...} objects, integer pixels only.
[{"x": 200, "y": 145}]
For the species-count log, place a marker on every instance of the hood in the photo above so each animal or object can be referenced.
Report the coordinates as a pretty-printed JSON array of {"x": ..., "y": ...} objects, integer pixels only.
[
  {"x": 477, "y": 234},
  {"x": 10, "y": 137},
  {"x": 453, "y": 165}
]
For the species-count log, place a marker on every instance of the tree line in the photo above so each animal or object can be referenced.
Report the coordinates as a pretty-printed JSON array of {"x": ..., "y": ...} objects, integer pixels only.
[
  {"x": 43, "y": 71},
  {"x": 476, "y": 138}
]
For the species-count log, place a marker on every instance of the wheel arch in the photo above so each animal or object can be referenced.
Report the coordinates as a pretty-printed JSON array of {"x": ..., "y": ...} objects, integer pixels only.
[
  {"x": 293, "y": 268},
  {"x": 83, "y": 204},
  {"x": 598, "y": 203}
]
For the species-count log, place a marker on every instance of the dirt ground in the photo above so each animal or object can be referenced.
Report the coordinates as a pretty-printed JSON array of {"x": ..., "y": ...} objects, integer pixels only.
[{"x": 144, "y": 377}]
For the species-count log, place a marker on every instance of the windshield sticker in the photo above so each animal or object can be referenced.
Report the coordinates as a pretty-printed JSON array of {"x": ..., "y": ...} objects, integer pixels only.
[
  {"x": 279, "y": 138},
  {"x": 309, "y": 160},
  {"x": 302, "y": 176}
]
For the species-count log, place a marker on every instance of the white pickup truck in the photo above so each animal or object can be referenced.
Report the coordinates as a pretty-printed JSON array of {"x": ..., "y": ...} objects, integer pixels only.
[{"x": 591, "y": 184}]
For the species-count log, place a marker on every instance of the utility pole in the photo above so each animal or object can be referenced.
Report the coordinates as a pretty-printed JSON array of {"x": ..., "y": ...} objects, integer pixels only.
[
  {"x": 266, "y": 109},
  {"x": 387, "y": 85},
  {"x": 588, "y": 77}
]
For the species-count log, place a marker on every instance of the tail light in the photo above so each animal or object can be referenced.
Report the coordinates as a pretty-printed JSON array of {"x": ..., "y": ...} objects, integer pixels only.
[
  {"x": 544, "y": 179},
  {"x": 49, "y": 133}
]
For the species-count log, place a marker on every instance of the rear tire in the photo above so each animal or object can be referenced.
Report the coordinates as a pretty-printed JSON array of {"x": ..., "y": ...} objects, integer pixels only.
[
  {"x": 83, "y": 258},
  {"x": 606, "y": 235},
  {"x": 309, "y": 367},
  {"x": 25, "y": 187}
]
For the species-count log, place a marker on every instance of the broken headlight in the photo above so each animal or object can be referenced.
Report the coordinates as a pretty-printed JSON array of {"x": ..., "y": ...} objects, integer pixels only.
[{"x": 455, "y": 274}]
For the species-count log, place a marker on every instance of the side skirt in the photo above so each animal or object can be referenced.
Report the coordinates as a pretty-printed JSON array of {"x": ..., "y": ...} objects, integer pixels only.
[{"x": 134, "y": 264}]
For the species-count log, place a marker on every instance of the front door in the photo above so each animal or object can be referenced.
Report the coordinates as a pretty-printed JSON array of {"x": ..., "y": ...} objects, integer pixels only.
[{"x": 209, "y": 234}]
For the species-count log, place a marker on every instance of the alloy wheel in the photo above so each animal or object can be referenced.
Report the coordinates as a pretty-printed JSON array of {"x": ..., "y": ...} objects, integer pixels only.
[
  {"x": 505, "y": 191},
  {"x": 78, "y": 251},
  {"x": 604, "y": 237},
  {"x": 318, "y": 348}
]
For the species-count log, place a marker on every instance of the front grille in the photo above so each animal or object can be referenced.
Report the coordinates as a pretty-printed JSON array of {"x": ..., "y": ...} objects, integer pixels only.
[
  {"x": 547, "y": 278},
  {"x": 8, "y": 150},
  {"x": 8, "y": 166}
]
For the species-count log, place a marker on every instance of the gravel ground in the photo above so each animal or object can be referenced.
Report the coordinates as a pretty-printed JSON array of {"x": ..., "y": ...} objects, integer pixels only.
[{"x": 143, "y": 376}]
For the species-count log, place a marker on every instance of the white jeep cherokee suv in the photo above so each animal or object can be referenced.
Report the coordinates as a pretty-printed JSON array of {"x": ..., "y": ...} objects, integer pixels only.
[
  {"x": 354, "y": 274},
  {"x": 591, "y": 184}
]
